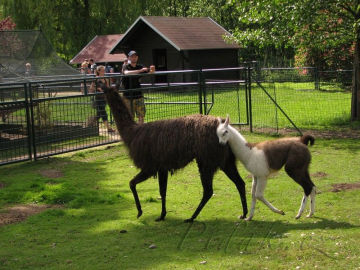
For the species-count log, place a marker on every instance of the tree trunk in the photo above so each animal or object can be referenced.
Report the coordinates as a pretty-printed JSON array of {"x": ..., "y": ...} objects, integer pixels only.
[{"x": 355, "y": 99}]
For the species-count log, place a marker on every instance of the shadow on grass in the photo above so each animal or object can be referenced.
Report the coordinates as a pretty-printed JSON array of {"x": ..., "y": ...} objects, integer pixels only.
[
  {"x": 77, "y": 184},
  {"x": 99, "y": 229},
  {"x": 173, "y": 240}
]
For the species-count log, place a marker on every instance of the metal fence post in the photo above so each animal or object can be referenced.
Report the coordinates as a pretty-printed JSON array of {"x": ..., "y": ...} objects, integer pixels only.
[
  {"x": 200, "y": 82},
  {"x": 28, "y": 121},
  {"x": 33, "y": 139},
  {"x": 317, "y": 78},
  {"x": 85, "y": 88},
  {"x": 250, "y": 99}
]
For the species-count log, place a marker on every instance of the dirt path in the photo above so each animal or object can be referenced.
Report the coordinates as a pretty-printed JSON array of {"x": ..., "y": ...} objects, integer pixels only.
[{"x": 21, "y": 212}]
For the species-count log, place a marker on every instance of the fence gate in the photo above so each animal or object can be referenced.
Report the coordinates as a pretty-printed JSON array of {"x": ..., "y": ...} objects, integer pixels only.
[
  {"x": 14, "y": 123},
  {"x": 228, "y": 91}
]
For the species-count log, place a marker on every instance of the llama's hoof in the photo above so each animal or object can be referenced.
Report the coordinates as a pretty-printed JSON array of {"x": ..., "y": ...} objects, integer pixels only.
[
  {"x": 242, "y": 217},
  {"x": 160, "y": 219},
  {"x": 282, "y": 213},
  {"x": 248, "y": 218},
  {"x": 139, "y": 214},
  {"x": 190, "y": 220},
  {"x": 309, "y": 215},
  {"x": 297, "y": 217}
]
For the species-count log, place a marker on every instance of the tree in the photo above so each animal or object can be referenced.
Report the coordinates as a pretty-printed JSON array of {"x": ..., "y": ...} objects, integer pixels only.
[
  {"x": 332, "y": 28},
  {"x": 324, "y": 30}
]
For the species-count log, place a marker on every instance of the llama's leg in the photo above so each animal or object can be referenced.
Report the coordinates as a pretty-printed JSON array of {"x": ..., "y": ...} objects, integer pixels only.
[
  {"x": 302, "y": 177},
  {"x": 259, "y": 194},
  {"x": 163, "y": 178},
  {"x": 253, "y": 198},
  {"x": 140, "y": 177},
  {"x": 302, "y": 206},
  {"x": 231, "y": 171},
  {"x": 312, "y": 200},
  {"x": 206, "y": 175}
]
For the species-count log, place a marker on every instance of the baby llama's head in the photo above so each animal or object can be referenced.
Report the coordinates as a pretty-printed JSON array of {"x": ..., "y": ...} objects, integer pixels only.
[{"x": 222, "y": 131}]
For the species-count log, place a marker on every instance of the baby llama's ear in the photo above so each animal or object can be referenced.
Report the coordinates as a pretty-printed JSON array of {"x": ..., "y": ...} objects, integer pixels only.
[
  {"x": 219, "y": 120},
  {"x": 227, "y": 120}
]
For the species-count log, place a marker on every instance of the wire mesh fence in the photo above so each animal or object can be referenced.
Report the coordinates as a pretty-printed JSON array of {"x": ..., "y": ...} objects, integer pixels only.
[
  {"x": 226, "y": 92},
  {"x": 312, "y": 100},
  {"x": 43, "y": 118}
]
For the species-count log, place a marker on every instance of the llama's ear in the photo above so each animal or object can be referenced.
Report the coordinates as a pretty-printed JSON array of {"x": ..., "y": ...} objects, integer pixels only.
[
  {"x": 227, "y": 120},
  {"x": 219, "y": 120}
]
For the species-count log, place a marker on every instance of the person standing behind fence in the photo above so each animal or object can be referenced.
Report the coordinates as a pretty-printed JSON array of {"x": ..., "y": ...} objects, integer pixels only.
[
  {"x": 28, "y": 70},
  {"x": 84, "y": 67},
  {"x": 134, "y": 99},
  {"x": 93, "y": 66},
  {"x": 100, "y": 101}
]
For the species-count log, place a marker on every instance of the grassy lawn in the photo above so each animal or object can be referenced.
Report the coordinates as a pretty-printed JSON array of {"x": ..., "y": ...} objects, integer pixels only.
[
  {"x": 306, "y": 107},
  {"x": 97, "y": 227}
]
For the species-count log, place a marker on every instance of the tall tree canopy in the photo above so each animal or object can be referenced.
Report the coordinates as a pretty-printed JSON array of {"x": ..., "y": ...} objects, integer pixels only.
[{"x": 325, "y": 34}]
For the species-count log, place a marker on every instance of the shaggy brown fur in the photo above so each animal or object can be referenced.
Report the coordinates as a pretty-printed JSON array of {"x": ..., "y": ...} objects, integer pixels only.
[
  {"x": 286, "y": 150},
  {"x": 167, "y": 145}
]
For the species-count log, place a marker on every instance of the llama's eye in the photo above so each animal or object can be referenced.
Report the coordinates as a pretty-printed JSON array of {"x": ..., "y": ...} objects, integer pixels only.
[{"x": 225, "y": 132}]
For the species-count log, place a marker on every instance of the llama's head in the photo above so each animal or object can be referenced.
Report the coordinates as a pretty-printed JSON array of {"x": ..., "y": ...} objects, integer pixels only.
[{"x": 222, "y": 130}]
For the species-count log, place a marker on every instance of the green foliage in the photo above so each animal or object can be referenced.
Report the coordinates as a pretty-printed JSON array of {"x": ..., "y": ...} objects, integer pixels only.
[
  {"x": 71, "y": 24},
  {"x": 325, "y": 34}
]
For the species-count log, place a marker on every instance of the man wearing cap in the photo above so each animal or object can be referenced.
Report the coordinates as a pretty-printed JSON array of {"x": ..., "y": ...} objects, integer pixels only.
[{"x": 134, "y": 99}]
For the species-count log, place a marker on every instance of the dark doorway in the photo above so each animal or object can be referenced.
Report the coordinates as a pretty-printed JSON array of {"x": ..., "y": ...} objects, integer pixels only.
[{"x": 160, "y": 62}]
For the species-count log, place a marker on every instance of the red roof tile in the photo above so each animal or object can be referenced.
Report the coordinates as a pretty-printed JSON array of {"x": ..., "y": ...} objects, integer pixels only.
[
  {"x": 186, "y": 33},
  {"x": 99, "y": 49}
]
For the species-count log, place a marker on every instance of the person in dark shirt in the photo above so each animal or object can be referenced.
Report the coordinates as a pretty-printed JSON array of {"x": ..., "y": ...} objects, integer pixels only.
[
  {"x": 134, "y": 99},
  {"x": 100, "y": 101}
]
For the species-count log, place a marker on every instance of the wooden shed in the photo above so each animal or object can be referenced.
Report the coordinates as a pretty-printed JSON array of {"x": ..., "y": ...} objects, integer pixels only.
[
  {"x": 178, "y": 43},
  {"x": 99, "y": 49}
]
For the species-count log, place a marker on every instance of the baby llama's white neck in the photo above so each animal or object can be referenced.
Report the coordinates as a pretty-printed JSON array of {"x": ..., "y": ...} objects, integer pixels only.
[{"x": 239, "y": 145}]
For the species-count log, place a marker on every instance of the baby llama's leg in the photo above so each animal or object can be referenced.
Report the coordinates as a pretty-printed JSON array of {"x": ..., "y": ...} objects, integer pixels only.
[
  {"x": 260, "y": 188},
  {"x": 302, "y": 206},
  {"x": 253, "y": 199},
  {"x": 312, "y": 200},
  {"x": 302, "y": 177}
]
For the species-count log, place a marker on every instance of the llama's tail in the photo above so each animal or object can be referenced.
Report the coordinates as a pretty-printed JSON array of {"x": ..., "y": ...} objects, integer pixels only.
[{"x": 305, "y": 139}]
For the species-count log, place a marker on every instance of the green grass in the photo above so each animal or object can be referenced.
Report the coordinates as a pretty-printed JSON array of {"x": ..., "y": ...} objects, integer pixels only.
[
  {"x": 98, "y": 205},
  {"x": 306, "y": 107}
]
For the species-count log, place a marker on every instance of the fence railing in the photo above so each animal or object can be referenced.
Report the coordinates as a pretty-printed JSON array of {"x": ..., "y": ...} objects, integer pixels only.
[
  {"x": 42, "y": 118},
  {"x": 45, "y": 117}
]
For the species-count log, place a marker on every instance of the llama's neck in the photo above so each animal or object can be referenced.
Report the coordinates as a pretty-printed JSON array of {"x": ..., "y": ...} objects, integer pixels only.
[
  {"x": 239, "y": 145},
  {"x": 124, "y": 121}
]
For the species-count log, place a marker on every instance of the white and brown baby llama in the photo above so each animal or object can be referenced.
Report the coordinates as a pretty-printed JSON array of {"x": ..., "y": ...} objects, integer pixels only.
[{"x": 262, "y": 159}]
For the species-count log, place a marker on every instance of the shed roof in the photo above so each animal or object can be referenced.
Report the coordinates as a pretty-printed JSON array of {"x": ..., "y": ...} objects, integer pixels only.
[
  {"x": 184, "y": 33},
  {"x": 98, "y": 49}
]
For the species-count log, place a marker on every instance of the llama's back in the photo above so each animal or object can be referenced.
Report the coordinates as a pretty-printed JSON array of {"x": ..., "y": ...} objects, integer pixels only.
[
  {"x": 291, "y": 151},
  {"x": 172, "y": 144}
]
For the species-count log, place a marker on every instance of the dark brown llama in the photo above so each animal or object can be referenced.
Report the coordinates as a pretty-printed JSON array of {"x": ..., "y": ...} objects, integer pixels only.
[{"x": 165, "y": 146}]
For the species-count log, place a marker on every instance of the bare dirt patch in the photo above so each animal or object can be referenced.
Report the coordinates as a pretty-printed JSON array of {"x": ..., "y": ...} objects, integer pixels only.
[
  {"x": 51, "y": 173},
  {"x": 19, "y": 213},
  {"x": 319, "y": 174},
  {"x": 345, "y": 186}
]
